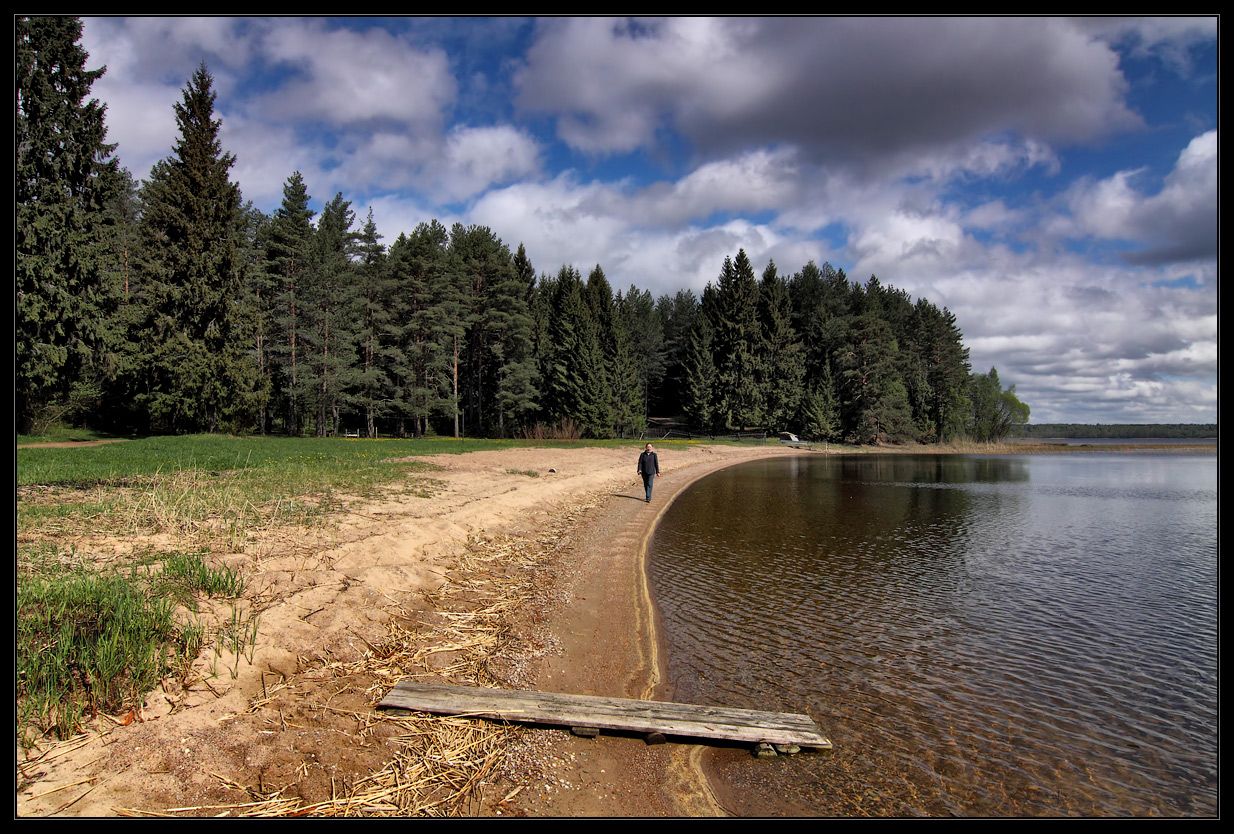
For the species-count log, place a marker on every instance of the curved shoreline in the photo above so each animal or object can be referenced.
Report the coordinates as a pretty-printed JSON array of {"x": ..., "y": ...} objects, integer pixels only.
[
  {"x": 329, "y": 594},
  {"x": 611, "y": 644}
]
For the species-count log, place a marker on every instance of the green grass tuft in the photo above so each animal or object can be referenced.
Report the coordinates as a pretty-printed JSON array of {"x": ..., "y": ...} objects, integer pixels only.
[
  {"x": 89, "y": 643},
  {"x": 191, "y": 569}
]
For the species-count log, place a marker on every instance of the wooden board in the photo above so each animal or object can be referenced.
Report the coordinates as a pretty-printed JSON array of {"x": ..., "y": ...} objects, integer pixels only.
[{"x": 687, "y": 720}]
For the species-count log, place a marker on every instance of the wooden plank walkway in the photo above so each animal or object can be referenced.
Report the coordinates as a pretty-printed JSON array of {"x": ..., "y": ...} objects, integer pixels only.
[{"x": 595, "y": 712}]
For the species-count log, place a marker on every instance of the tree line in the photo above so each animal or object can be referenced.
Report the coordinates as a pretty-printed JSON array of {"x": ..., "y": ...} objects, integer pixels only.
[
  {"x": 1186, "y": 431},
  {"x": 172, "y": 305}
]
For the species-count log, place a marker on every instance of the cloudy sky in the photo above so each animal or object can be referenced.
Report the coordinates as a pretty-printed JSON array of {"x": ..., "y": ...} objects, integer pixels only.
[{"x": 1051, "y": 181}]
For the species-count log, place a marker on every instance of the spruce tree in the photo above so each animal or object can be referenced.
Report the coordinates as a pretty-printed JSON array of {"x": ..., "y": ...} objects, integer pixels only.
[
  {"x": 193, "y": 363},
  {"x": 700, "y": 399},
  {"x": 874, "y": 403},
  {"x": 676, "y": 314},
  {"x": 740, "y": 396},
  {"x": 374, "y": 337},
  {"x": 517, "y": 374},
  {"x": 330, "y": 308},
  {"x": 640, "y": 320},
  {"x": 255, "y": 312},
  {"x": 781, "y": 363},
  {"x": 575, "y": 376},
  {"x": 287, "y": 242},
  {"x": 938, "y": 346},
  {"x": 64, "y": 181},
  {"x": 498, "y": 363}
]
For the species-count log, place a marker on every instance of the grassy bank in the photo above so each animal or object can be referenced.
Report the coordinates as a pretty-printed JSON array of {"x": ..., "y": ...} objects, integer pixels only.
[
  {"x": 119, "y": 545},
  {"x": 122, "y": 548}
]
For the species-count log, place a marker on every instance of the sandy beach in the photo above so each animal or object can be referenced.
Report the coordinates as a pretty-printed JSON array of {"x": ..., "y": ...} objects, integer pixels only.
[{"x": 288, "y": 726}]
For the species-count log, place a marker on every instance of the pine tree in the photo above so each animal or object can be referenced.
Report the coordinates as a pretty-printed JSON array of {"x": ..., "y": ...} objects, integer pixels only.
[
  {"x": 330, "y": 307},
  {"x": 287, "y": 242},
  {"x": 374, "y": 337},
  {"x": 194, "y": 365},
  {"x": 740, "y": 398},
  {"x": 641, "y": 321},
  {"x": 64, "y": 181},
  {"x": 677, "y": 314},
  {"x": 781, "y": 363},
  {"x": 701, "y": 397}
]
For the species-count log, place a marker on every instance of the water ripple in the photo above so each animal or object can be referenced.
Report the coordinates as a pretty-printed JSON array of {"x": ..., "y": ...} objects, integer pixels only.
[{"x": 1021, "y": 637}]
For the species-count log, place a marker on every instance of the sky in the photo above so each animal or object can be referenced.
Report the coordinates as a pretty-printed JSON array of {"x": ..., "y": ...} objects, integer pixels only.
[{"x": 1051, "y": 181}]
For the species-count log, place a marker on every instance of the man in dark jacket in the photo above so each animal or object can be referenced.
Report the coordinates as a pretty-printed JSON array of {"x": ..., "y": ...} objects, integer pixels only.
[{"x": 648, "y": 467}]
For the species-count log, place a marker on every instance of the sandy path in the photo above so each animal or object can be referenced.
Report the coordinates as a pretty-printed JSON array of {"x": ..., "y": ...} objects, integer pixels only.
[
  {"x": 606, "y": 629},
  {"x": 324, "y": 600}
]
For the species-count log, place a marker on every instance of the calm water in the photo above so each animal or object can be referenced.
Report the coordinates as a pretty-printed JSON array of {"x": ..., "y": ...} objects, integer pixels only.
[{"x": 1021, "y": 635}]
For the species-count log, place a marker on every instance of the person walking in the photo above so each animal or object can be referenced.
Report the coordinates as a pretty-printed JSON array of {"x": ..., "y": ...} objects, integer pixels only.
[{"x": 648, "y": 467}]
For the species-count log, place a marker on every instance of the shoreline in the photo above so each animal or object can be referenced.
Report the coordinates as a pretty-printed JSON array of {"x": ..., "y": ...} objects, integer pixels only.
[
  {"x": 330, "y": 600},
  {"x": 683, "y": 766},
  {"x": 436, "y": 577},
  {"x": 611, "y": 644}
]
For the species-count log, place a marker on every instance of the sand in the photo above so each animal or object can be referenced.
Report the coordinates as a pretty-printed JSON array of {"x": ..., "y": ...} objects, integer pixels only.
[{"x": 292, "y": 717}]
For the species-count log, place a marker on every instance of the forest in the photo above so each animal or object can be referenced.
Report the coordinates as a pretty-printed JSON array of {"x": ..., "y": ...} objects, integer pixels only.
[
  {"x": 171, "y": 305},
  {"x": 1184, "y": 431}
]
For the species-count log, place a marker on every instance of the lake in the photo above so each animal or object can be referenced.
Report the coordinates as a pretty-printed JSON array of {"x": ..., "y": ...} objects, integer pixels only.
[{"x": 1023, "y": 635}]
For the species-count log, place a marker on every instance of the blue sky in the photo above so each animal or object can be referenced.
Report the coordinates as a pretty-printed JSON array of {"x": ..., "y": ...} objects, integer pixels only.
[{"x": 1051, "y": 181}]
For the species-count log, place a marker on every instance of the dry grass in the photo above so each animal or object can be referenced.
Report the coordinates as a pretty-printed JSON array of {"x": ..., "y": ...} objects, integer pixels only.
[{"x": 441, "y": 766}]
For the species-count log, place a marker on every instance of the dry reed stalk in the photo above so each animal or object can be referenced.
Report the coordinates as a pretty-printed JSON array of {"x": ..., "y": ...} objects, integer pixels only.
[{"x": 442, "y": 764}]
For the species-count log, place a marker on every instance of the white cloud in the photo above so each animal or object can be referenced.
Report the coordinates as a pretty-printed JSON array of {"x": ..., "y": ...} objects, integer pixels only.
[
  {"x": 571, "y": 220},
  {"x": 1178, "y": 223},
  {"x": 477, "y": 158},
  {"x": 345, "y": 77}
]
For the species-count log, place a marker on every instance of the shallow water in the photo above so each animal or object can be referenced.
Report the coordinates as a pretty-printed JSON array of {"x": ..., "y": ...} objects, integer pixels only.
[{"x": 1021, "y": 635}]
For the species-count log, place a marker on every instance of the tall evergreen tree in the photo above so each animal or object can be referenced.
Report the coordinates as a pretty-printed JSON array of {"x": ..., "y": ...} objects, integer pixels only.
[
  {"x": 874, "y": 403},
  {"x": 190, "y": 227},
  {"x": 430, "y": 308},
  {"x": 255, "y": 311},
  {"x": 498, "y": 362},
  {"x": 642, "y": 324},
  {"x": 375, "y": 328},
  {"x": 676, "y": 314},
  {"x": 513, "y": 346},
  {"x": 288, "y": 241},
  {"x": 64, "y": 180},
  {"x": 330, "y": 305},
  {"x": 740, "y": 396},
  {"x": 575, "y": 376},
  {"x": 942, "y": 371},
  {"x": 781, "y": 363},
  {"x": 700, "y": 400}
]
